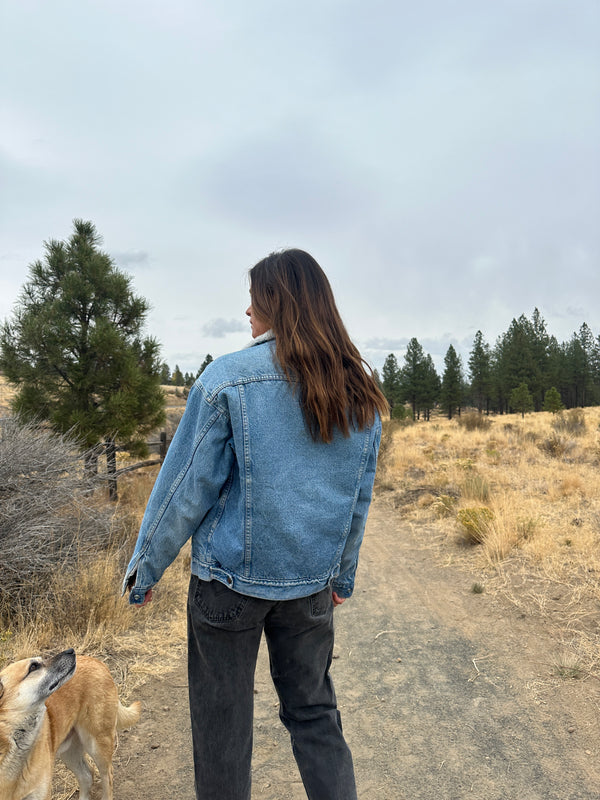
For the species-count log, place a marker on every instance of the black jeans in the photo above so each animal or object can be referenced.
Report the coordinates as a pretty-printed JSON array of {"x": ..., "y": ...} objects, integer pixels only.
[{"x": 224, "y": 632}]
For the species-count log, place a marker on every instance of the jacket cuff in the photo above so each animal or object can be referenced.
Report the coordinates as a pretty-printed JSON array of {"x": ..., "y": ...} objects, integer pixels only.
[{"x": 342, "y": 589}]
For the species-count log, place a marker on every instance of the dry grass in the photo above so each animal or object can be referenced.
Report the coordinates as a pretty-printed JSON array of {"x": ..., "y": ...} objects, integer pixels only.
[
  {"x": 83, "y": 608},
  {"x": 525, "y": 492},
  {"x": 6, "y": 395}
]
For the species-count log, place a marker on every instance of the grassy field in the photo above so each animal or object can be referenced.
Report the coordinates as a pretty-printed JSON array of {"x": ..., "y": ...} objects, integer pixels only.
[
  {"x": 517, "y": 501},
  {"x": 514, "y": 500}
]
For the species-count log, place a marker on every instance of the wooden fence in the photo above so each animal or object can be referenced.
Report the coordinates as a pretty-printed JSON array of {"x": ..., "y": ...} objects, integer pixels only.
[{"x": 110, "y": 449}]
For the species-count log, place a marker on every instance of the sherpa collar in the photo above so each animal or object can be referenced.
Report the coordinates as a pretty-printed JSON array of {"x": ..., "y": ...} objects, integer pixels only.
[{"x": 264, "y": 337}]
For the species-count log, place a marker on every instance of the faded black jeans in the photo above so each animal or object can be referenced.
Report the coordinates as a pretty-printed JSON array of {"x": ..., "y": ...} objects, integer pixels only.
[{"x": 224, "y": 632}]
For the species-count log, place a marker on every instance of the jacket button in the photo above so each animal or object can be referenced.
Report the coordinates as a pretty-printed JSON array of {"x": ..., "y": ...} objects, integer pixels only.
[{"x": 229, "y": 580}]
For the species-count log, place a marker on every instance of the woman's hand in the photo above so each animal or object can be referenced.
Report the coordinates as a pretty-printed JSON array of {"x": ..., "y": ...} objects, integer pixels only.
[
  {"x": 147, "y": 599},
  {"x": 337, "y": 600}
]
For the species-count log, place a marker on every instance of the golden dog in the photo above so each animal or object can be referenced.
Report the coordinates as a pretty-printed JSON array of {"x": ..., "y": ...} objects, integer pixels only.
[{"x": 61, "y": 706}]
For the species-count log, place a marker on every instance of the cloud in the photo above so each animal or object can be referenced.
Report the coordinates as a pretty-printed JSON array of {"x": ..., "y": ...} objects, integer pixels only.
[
  {"x": 290, "y": 175},
  {"x": 131, "y": 258},
  {"x": 389, "y": 345},
  {"x": 219, "y": 328}
]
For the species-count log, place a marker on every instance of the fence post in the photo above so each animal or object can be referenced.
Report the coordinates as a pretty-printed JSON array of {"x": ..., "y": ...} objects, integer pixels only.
[{"x": 163, "y": 446}]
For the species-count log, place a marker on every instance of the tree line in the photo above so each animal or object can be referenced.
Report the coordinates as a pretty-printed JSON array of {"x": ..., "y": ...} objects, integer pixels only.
[
  {"x": 178, "y": 378},
  {"x": 527, "y": 369}
]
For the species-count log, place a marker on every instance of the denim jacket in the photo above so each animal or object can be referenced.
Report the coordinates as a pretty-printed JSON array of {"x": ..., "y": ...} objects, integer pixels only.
[{"x": 271, "y": 512}]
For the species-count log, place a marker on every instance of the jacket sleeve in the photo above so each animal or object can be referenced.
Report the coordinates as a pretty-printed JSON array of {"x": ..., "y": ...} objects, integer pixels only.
[
  {"x": 343, "y": 584},
  {"x": 188, "y": 485}
]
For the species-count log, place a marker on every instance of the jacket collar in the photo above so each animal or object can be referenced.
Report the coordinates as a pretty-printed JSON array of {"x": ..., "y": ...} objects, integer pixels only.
[{"x": 264, "y": 337}]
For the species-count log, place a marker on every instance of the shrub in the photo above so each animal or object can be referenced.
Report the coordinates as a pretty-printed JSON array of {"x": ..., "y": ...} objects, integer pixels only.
[
  {"x": 474, "y": 523},
  {"x": 474, "y": 421},
  {"x": 556, "y": 445},
  {"x": 400, "y": 411},
  {"x": 444, "y": 505},
  {"x": 49, "y": 517},
  {"x": 570, "y": 422},
  {"x": 476, "y": 488}
]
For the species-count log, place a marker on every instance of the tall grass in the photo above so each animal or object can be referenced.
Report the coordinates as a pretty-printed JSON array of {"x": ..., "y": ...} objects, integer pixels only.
[{"x": 543, "y": 499}]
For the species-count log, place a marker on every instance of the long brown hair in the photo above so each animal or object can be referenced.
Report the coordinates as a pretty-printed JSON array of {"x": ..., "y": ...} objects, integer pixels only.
[{"x": 292, "y": 294}]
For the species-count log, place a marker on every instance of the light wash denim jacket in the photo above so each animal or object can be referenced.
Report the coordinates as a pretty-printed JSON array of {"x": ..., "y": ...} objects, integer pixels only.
[{"x": 271, "y": 512}]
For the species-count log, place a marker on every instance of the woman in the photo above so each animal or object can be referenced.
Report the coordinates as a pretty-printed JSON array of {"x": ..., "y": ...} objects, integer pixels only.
[{"x": 270, "y": 472}]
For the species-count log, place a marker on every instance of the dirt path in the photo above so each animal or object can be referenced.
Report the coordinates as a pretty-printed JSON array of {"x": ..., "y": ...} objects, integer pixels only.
[{"x": 444, "y": 695}]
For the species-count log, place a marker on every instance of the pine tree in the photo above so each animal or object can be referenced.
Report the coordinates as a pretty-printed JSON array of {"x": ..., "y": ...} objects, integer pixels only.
[
  {"x": 165, "y": 374},
  {"x": 177, "y": 378},
  {"x": 391, "y": 381},
  {"x": 431, "y": 387},
  {"x": 208, "y": 359},
  {"x": 521, "y": 400},
  {"x": 480, "y": 373},
  {"x": 452, "y": 382},
  {"x": 552, "y": 401},
  {"x": 74, "y": 348},
  {"x": 413, "y": 376}
]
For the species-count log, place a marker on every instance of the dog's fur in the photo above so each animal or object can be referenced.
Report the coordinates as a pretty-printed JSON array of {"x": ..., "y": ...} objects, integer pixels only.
[{"x": 61, "y": 706}]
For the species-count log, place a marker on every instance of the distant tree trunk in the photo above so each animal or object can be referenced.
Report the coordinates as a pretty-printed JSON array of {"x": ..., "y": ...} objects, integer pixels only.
[{"x": 111, "y": 469}]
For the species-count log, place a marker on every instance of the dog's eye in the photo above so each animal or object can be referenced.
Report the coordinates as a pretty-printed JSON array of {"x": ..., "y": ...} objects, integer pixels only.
[{"x": 32, "y": 667}]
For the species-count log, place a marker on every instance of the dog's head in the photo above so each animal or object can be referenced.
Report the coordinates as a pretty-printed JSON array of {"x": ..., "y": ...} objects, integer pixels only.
[{"x": 28, "y": 683}]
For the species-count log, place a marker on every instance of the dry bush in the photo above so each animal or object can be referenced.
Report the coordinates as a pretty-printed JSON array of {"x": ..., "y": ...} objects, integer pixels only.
[
  {"x": 49, "y": 516},
  {"x": 444, "y": 505},
  {"x": 81, "y": 607},
  {"x": 570, "y": 422},
  {"x": 474, "y": 421},
  {"x": 474, "y": 523},
  {"x": 556, "y": 445}
]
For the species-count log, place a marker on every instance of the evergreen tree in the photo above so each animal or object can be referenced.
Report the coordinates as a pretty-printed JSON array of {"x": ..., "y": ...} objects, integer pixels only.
[
  {"x": 584, "y": 373},
  {"x": 74, "y": 348},
  {"x": 556, "y": 368},
  {"x": 452, "y": 382},
  {"x": 208, "y": 359},
  {"x": 516, "y": 361},
  {"x": 431, "y": 387},
  {"x": 521, "y": 400},
  {"x": 391, "y": 381},
  {"x": 177, "y": 378},
  {"x": 540, "y": 342},
  {"x": 413, "y": 376},
  {"x": 165, "y": 374},
  {"x": 552, "y": 401},
  {"x": 480, "y": 373}
]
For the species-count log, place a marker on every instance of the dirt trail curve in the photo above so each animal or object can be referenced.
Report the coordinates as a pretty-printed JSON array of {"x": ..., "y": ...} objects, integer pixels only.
[{"x": 445, "y": 695}]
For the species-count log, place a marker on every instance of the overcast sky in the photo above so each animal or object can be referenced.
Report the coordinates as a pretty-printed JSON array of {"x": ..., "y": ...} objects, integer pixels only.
[{"x": 439, "y": 159}]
